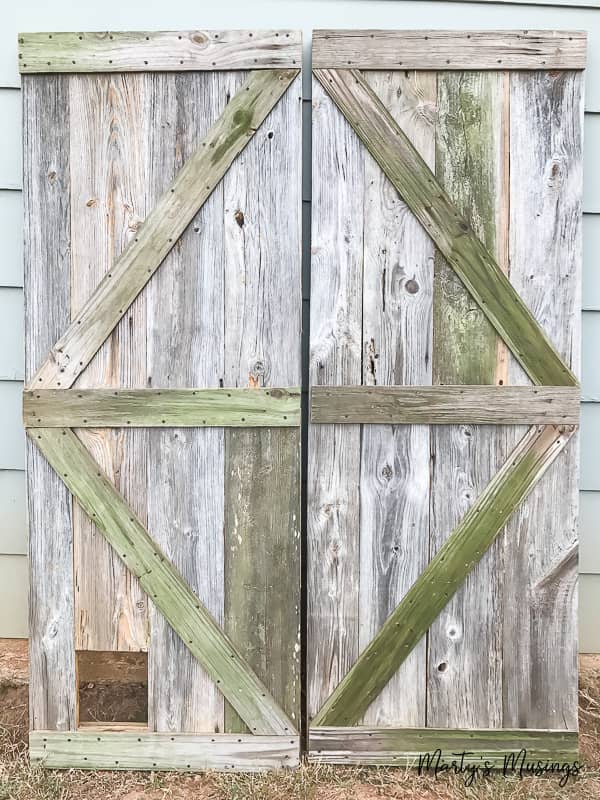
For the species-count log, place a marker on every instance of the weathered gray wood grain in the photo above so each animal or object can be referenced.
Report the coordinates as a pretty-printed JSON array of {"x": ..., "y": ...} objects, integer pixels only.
[
  {"x": 465, "y": 650},
  {"x": 156, "y": 408},
  {"x": 158, "y": 51},
  {"x": 110, "y": 121},
  {"x": 449, "y": 50},
  {"x": 445, "y": 405},
  {"x": 396, "y": 349},
  {"x": 451, "y": 231},
  {"x": 262, "y": 560},
  {"x": 444, "y": 575},
  {"x": 186, "y": 349},
  {"x": 163, "y": 582},
  {"x": 162, "y": 227},
  {"x": 143, "y": 750},
  {"x": 52, "y": 693},
  {"x": 335, "y": 358},
  {"x": 540, "y": 586},
  {"x": 262, "y": 301}
]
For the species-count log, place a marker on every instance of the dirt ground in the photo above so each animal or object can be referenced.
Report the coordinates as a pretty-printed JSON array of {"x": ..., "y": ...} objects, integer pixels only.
[{"x": 19, "y": 781}]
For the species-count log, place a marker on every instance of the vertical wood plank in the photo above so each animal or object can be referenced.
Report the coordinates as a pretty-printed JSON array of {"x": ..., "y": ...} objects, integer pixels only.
[
  {"x": 52, "y": 690},
  {"x": 108, "y": 144},
  {"x": 262, "y": 195},
  {"x": 465, "y": 643},
  {"x": 396, "y": 342},
  {"x": 333, "y": 546},
  {"x": 185, "y": 349},
  {"x": 540, "y": 587}
]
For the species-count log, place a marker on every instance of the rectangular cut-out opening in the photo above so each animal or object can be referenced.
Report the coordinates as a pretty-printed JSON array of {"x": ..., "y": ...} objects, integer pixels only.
[{"x": 112, "y": 688}]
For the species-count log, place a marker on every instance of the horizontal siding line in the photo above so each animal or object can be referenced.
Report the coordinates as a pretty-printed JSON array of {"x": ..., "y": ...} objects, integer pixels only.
[{"x": 540, "y": 3}]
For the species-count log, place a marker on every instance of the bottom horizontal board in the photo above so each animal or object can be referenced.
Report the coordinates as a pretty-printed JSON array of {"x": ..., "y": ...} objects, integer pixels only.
[
  {"x": 424, "y": 747},
  {"x": 114, "y": 750}
]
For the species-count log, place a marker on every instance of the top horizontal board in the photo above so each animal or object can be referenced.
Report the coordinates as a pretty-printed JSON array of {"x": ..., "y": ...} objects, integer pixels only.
[
  {"x": 401, "y": 49},
  {"x": 158, "y": 51}
]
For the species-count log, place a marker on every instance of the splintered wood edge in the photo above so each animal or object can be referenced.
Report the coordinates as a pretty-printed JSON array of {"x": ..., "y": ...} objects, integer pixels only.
[
  {"x": 446, "y": 405},
  {"x": 160, "y": 408},
  {"x": 148, "y": 750},
  {"x": 152, "y": 51},
  {"x": 449, "y": 50}
]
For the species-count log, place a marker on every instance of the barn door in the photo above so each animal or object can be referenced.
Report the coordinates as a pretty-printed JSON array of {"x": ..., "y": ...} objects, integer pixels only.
[
  {"x": 162, "y": 192},
  {"x": 442, "y": 485}
]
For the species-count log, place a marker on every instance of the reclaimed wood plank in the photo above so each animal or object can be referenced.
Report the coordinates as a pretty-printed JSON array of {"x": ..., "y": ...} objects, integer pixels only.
[
  {"x": 186, "y": 349},
  {"x": 540, "y": 584},
  {"x": 445, "y": 405},
  {"x": 110, "y": 120},
  {"x": 464, "y": 642},
  {"x": 449, "y": 50},
  {"x": 158, "y": 51},
  {"x": 162, "y": 582},
  {"x": 162, "y": 228},
  {"x": 444, "y": 574},
  {"x": 417, "y": 747},
  {"x": 396, "y": 341},
  {"x": 262, "y": 560},
  {"x": 155, "y": 408},
  {"x": 333, "y": 544},
  {"x": 143, "y": 750},
  {"x": 449, "y": 229},
  {"x": 262, "y": 246},
  {"x": 52, "y": 689}
]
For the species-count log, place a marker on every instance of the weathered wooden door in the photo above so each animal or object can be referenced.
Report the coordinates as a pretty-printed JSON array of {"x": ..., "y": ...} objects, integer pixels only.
[
  {"x": 162, "y": 195},
  {"x": 447, "y": 185}
]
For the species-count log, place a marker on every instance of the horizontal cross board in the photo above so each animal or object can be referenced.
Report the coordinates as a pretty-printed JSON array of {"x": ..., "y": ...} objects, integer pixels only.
[
  {"x": 197, "y": 408},
  {"x": 402, "y": 747},
  {"x": 445, "y": 405},
  {"x": 147, "y": 51},
  {"x": 448, "y": 50},
  {"x": 162, "y": 582},
  {"x": 119, "y": 750}
]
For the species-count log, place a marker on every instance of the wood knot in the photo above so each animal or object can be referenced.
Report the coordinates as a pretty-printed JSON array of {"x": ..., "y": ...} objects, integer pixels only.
[
  {"x": 199, "y": 38},
  {"x": 239, "y": 218},
  {"x": 411, "y": 286}
]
